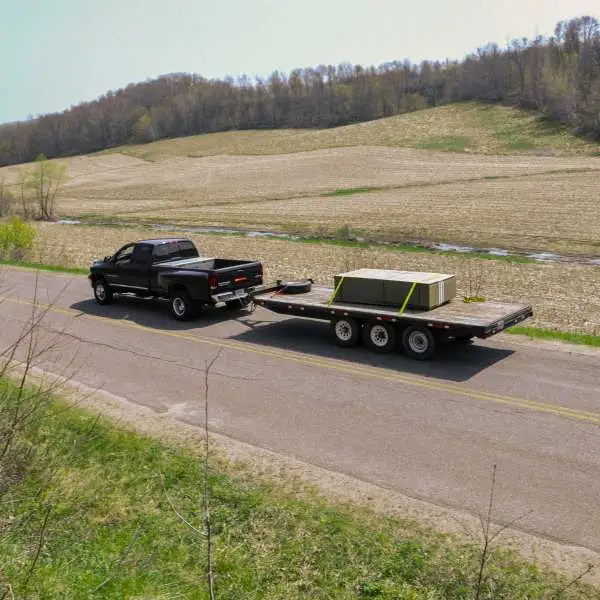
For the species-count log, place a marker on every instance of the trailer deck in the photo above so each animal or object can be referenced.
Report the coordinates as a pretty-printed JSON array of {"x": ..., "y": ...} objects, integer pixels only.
[{"x": 483, "y": 316}]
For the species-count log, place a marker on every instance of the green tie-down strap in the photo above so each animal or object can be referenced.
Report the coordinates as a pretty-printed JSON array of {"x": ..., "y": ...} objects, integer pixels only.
[
  {"x": 335, "y": 292},
  {"x": 407, "y": 299},
  {"x": 473, "y": 299}
]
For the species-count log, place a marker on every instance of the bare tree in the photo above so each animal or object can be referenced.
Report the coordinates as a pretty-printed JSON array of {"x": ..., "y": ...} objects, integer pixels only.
[
  {"x": 207, "y": 532},
  {"x": 45, "y": 180},
  {"x": 6, "y": 200},
  {"x": 489, "y": 537}
]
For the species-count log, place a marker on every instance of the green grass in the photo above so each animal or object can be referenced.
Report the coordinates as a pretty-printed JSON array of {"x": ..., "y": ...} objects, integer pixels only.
[
  {"x": 352, "y": 191},
  {"x": 112, "y": 529},
  {"x": 23, "y": 264},
  {"x": 559, "y": 336},
  {"x": 448, "y": 143}
]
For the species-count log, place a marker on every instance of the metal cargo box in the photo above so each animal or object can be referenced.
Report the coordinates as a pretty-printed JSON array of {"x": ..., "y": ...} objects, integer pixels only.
[{"x": 388, "y": 287}]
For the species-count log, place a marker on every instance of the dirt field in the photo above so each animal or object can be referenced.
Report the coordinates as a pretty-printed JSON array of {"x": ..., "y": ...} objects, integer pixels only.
[
  {"x": 564, "y": 296},
  {"x": 515, "y": 213},
  {"x": 537, "y": 203},
  {"x": 282, "y": 180}
]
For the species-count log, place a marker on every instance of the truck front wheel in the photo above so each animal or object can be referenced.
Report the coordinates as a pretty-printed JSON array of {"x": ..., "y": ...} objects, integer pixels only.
[
  {"x": 418, "y": 342},
  {"x": 102, "y": 293},
  {"x": 181, "y": 305}
]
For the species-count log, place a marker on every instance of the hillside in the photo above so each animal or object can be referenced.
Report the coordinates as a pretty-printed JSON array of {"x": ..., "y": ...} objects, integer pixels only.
[{"x": 463, "y": 127}]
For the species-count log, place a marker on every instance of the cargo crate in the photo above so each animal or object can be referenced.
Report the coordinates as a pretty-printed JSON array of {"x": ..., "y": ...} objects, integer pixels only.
[{"x": 387, "y": 287}]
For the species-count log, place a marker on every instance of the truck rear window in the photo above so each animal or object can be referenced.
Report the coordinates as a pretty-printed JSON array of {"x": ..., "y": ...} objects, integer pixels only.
[{"x": 173, "y": 250}]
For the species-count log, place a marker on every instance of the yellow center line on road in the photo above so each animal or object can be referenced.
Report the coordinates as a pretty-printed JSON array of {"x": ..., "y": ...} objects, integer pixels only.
[{"x": 336, "y": 365}]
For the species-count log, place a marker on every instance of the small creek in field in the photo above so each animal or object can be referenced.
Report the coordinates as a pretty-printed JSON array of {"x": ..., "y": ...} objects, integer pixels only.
[{"x": 440, "y": 246}]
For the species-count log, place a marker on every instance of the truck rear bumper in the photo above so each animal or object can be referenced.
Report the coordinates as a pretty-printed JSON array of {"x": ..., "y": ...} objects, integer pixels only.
[{"x": 239, "y": 294}]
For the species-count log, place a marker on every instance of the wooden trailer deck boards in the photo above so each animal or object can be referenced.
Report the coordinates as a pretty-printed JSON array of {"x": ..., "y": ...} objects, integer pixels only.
[
  {"x": 389, "y": 287},
  {"x": 457, "y": 313}
]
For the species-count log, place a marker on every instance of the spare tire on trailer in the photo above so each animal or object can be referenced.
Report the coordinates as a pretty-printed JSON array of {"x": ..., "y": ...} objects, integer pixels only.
[{"x": 295, "y": 287}]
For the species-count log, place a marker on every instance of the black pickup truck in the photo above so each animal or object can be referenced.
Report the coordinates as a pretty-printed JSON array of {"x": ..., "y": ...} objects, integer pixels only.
[{"x": 172, "y": 268}]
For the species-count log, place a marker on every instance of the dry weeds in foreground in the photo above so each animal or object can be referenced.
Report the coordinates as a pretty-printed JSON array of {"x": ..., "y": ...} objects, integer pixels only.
[{"x": 563, "y": 296}]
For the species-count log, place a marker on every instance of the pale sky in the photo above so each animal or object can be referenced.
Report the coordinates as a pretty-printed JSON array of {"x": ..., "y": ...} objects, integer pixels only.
[{"x": 57, "y": 53}]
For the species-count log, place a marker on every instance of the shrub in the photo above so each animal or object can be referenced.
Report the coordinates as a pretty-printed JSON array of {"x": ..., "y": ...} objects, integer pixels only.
[{"x": 16, "y": 237}]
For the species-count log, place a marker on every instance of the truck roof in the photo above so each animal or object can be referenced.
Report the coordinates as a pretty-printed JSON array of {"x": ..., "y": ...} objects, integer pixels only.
[{"x": 158, "y": 241}]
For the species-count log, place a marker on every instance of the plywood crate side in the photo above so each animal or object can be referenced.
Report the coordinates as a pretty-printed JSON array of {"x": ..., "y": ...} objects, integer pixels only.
[{"x": 391, "y": 288}]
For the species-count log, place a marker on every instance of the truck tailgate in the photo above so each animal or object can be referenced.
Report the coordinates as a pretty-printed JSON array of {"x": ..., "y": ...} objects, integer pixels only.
[{"x": 228, "y": 281}]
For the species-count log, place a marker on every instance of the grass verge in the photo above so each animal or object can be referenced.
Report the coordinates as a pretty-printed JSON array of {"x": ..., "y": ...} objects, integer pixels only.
[
  {"x": 109, "y": 530},
  {"x": 559, "y": 336},
  {"x": 43, "y": 267}
]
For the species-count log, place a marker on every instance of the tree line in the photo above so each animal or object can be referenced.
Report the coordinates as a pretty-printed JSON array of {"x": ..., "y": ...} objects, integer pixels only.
[{"x": 559, "y": 76}]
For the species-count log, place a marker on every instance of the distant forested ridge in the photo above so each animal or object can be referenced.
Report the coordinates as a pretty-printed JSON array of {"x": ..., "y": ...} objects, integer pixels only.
[{"x": 558, "y": 76}]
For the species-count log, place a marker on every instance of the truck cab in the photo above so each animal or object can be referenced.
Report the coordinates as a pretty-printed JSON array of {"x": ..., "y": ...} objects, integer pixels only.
[{"x": 173, "y": 268}]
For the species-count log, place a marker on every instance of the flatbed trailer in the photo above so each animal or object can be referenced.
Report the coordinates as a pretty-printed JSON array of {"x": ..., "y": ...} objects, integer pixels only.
[{"x": 381, "y": 327}]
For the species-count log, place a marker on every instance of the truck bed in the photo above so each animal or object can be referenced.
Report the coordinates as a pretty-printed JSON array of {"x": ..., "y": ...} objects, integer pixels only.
[{"x": 484, "y": 318}]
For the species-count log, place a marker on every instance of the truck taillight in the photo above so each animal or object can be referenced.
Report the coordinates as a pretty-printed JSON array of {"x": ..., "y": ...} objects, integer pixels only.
[{"x": 213, "y": 282}]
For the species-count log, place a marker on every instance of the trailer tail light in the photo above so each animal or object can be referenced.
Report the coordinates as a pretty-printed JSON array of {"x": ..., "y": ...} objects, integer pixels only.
[{"x": 213, "y": 282}]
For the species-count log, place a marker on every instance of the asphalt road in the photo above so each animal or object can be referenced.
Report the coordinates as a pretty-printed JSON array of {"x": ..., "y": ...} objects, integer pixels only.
[{"x": 429, "y": 430}]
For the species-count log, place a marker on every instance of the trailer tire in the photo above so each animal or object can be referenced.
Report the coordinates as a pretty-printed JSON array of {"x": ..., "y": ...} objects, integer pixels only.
[
  {"x": 181, "y": 305},
  {"x": 346, "y": 331},
  {"x": 379, "y": 337},
  {"x": 418, "y": 342},
  {"x": 102, "y": 293}
]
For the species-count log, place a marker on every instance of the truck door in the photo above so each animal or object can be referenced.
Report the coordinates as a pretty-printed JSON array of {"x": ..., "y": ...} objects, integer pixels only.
[{"x": 132, "y": 267}]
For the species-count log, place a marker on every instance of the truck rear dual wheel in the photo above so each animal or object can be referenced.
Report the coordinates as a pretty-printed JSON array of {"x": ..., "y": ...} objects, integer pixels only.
[{"x": 181, "y": 305}]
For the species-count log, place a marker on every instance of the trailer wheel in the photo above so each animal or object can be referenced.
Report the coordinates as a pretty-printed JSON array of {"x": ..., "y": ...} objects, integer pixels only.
[
  {"x": 418, "y": 342},
  {"x": 102, "y": 293},
  {"x": 346, "y": 331},
  {"x": 180, "y": 305},
  {"x": 380, "y": 337}
]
